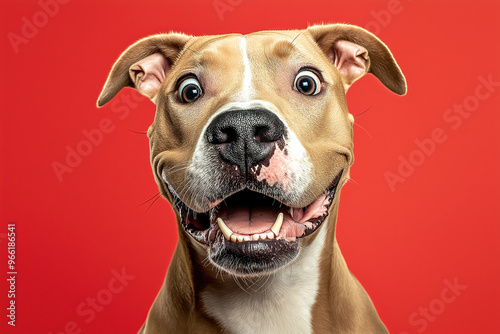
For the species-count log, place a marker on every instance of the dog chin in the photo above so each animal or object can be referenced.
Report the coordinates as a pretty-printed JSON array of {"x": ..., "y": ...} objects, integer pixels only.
[
  {"x": 253, "y": 257},
  {"x": 251, "y": 233}
]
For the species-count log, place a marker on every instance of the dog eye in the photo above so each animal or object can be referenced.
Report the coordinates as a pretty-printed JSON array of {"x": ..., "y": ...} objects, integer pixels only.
[
  {"x": 307, "y": 82},
  {"x": 189, "y": 90}
]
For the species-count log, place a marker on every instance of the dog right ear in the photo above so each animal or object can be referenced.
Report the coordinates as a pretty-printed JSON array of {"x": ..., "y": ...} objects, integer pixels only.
[
  {"x": 355, "y": 52},
  {"x": 143, "y": 66}
]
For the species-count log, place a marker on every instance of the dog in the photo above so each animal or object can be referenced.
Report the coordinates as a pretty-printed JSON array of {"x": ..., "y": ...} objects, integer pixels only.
[{"x": 251, "y": 143}]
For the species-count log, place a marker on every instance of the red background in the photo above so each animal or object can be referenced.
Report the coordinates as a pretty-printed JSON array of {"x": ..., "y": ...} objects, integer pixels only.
[{"x": 403, "y": 243}]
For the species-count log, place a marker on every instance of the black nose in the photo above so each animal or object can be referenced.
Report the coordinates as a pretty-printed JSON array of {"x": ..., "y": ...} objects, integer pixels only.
[{"x": 245, "y": 137}]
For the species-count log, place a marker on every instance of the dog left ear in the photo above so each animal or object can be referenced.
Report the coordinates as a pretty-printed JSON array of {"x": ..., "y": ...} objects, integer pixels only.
[
  {"x": 355, "y": 52},
  {"x": 144, "y": 66}
]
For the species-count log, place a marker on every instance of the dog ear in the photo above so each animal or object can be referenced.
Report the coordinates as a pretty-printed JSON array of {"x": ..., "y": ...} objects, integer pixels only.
[
  {"x": 143, "y": 66},
  {"x": 355, "y": 51}
]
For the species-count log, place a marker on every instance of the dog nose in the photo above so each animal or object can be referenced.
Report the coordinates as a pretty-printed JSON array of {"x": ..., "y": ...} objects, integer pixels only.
[{"x": 245, "y": 137}]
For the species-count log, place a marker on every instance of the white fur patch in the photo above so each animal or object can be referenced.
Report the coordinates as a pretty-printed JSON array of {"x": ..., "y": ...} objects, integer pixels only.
[
  {"x": 279, "y": 303},
  {"x": 247, "y": 88}
]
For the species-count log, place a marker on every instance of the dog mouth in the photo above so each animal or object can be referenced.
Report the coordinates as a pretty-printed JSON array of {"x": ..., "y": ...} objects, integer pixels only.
[
  {"x": 251, "y": 216},
  {"x": 249, "y": 232}
]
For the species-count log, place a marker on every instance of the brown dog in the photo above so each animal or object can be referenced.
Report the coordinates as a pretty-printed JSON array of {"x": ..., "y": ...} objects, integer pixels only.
[{"x": 251, "y": 143}]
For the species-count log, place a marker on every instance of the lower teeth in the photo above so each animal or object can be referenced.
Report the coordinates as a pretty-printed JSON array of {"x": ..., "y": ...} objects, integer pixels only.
[{"x": 229, "y": 235}]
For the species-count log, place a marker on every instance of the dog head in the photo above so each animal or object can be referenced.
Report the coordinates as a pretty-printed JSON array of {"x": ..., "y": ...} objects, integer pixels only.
[{"x": 252, "y": 137}]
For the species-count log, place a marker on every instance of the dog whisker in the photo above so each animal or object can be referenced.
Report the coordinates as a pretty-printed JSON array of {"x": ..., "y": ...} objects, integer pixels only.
[
  {"x": 153, "y": 202},
  {"x": 362, "y": 128},
  {"x": 363, "y": 111},
  {"x": 353, "y": 181},
  {"x": 295, "y": 38},
  {"x": 152, "y": 198},
  {"x": 177, "y": 168},
  {"x": 138, "y": 132},
  {"x": 238, "y": 283},
  {"x": 196, "y": 52}
]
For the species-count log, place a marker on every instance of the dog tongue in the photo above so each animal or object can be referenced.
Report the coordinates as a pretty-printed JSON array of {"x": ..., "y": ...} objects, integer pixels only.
[{"x": 249, "y": 220}]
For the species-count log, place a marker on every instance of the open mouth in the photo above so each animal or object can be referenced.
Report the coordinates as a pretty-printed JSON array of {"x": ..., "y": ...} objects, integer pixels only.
[
  {"x": 251, "y": 232},
  {"x": 251, "y": 216}
]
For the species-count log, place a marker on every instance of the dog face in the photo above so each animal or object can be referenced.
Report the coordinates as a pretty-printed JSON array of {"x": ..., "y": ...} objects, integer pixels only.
[{"x": 252, "y": 137}]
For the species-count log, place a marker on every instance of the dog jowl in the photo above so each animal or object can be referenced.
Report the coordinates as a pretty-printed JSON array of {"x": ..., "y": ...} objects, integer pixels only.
[{"x": 251, "y": 143}]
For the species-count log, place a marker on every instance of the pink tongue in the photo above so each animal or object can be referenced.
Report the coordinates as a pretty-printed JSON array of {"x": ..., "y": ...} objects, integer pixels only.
[
  {"x": 245, "y": 220},
  {"x": 253, "y": 220}
]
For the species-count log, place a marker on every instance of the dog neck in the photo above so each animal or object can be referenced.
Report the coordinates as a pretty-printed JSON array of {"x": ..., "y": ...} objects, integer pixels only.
[{"x": 280, "y": 302}]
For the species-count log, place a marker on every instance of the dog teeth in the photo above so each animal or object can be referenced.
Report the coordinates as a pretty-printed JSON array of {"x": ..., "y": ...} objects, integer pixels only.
[
  {"x": 229, "y": 235},
  {"x": 225, "y": 230},
  {"x": 277, "y": 224}
]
